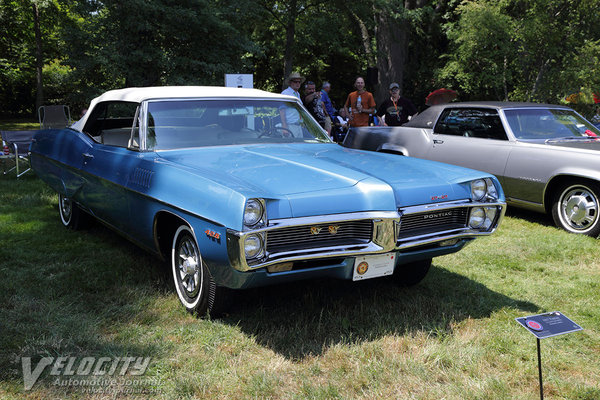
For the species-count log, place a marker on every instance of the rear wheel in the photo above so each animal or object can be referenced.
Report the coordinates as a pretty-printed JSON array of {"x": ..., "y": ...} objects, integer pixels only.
[
  {"x": 412, "y": 273},
  {"x": 70, "y": 214},
  {"x": 196, "y": 289},
  {"x": 575, "y": 208}
]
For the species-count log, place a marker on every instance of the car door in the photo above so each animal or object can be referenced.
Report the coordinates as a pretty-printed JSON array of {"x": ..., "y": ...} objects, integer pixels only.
[
  {"x": 108, "y": 164},
  {"x": 472, "y": 138}
]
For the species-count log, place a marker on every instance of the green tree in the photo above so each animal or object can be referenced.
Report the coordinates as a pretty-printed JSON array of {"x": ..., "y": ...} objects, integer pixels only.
[
  {"x": 155, "y": 42},
  {"x": 28, "y": 40},
  {"x": 522, "y": 50}
]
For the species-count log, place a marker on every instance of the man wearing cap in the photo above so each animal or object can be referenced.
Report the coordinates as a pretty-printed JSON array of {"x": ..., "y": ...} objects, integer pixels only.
[
  {"x": 395, "y": 110},
  {"x": 290, "y": 118}
]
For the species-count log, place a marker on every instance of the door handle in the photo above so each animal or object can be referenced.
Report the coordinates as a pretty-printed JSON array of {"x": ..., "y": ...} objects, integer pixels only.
[
  {"x": 437, "y": 141},
  {"x": 87, "y": 155}
]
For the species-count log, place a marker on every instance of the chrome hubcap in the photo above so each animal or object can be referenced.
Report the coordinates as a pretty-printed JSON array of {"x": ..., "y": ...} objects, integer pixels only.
[
  {"x": 66, "y": 208},
  {"x": 579, "y": 208},
  {"x": 188, "y": 263}
]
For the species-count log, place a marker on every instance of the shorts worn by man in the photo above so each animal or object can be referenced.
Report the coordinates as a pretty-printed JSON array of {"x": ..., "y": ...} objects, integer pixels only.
[{"x": 362, "y": 104}]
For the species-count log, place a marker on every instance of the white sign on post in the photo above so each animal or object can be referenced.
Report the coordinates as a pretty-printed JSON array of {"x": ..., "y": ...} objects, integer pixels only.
[{"x": 239, "y": 80}]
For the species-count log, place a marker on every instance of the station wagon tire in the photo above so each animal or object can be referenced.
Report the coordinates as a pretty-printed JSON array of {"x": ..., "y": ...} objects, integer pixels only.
[
  {"x": 70, "y": 214},
  {"x": 576, "y": 208},
  {"x": 412, "y": 273},
  {"x": 195, "y": 287}
]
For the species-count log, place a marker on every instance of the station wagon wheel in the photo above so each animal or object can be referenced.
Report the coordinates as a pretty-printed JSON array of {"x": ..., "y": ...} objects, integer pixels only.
[
  {"x": 412, "y": 273},
  {"x": 195, "y": 287},
  {"x": 70, "y": 214},
  {"x": 575, "y": 208}
]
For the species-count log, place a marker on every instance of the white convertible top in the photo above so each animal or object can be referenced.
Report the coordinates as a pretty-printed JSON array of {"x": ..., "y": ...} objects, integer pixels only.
[{"x": 139, "y": 94}]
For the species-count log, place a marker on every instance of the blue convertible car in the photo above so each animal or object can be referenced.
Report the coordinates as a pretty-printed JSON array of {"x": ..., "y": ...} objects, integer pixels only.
[{"x": 211, "y": 180}]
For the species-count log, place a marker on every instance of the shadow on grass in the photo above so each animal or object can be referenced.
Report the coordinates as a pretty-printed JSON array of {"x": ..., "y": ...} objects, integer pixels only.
[
  {"x": 66, "y": 293},
  {"x": 305, "y": 318},
  {"x": 530, "y": 216}
]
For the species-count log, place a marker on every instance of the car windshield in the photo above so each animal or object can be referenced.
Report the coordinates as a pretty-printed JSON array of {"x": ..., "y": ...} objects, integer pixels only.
[
  {"x": 180, "y": 124},
  {"x": 545, "y": 123}
]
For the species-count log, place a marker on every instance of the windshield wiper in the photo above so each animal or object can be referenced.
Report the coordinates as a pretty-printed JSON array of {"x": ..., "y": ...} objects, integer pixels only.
[{"x": 567, "y": 138}]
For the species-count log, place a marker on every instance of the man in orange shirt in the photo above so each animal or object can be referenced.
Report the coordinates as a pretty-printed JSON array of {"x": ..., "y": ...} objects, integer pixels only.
[{"x": 362, "y": 104}]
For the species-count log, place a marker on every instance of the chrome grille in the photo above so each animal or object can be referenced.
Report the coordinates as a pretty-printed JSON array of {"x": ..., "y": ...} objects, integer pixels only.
[
  {"x": 319, "y": 235},
  {"x": 431, "y": 222}
]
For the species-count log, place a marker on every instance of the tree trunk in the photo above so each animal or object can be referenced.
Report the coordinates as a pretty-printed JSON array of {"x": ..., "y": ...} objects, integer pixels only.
[
  {"x": 538, "y": 80},
  {"x": 39, "y": 97},
  {"x": 365, "y": 39},
  {"x": 290, "y": 33},
  {"x": 392, "y": 49}
]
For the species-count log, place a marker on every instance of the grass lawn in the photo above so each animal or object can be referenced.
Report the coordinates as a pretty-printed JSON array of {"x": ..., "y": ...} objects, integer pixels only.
[
  {"x": 93, "y": 294},
  {"x": 22, "y": 124}
]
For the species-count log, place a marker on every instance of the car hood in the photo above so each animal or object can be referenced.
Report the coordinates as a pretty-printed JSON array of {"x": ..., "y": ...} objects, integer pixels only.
[{"x": 325, "y": 173}]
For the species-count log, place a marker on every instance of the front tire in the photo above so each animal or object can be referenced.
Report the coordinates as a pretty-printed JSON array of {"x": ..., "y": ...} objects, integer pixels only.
[
  {"x": 576, "y": 207},
  {"x": 196, "y": 289},
  {"x": 412, "y": 273}
]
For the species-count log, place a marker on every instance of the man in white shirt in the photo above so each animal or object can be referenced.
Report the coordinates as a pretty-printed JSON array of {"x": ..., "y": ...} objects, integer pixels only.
[{"x": 290, "y": 118}]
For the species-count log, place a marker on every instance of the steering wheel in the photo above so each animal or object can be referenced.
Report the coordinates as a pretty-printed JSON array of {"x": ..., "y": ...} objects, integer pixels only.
[{"x": 277, "y": 131}]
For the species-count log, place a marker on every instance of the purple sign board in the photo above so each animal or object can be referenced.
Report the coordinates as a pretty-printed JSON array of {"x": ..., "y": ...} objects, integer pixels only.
[{"x": 548, "y": 324}]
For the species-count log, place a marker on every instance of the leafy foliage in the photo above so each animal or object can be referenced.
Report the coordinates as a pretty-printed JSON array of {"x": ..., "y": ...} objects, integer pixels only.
[
  {"x": 518, "y": 50},
  {"x": 538, "y": 50}
]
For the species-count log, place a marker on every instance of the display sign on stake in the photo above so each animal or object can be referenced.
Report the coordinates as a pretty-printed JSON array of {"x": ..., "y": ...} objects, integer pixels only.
[{"x": 546, "y": 325}]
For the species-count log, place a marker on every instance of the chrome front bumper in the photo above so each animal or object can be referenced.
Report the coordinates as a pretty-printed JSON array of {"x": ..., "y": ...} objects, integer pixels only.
[{"x": 386, "y": 226}]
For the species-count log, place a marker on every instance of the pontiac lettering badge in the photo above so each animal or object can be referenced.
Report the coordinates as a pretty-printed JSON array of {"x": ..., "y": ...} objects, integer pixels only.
[
  {"x": 438, "y": 215},
  {"x": 333, "y": 229},
  {"x": 314, "y": 230}
]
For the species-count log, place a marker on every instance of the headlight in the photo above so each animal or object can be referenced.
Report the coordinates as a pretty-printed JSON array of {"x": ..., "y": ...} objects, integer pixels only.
[
  {"x": 491, "y": 189},
  {"x": 477, "y": 217},
  {"x": 490, "y": 216},
  {"x": 484, "y": 190},
  {"x": 482, "y": 217},
  {"x": 478, "y": 189},
  {"x": 253, "y": 213},
  {"x": 253, "y": 245}
]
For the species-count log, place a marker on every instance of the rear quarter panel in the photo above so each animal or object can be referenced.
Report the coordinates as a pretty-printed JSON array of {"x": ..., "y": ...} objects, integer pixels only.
[{"x": 56, "y": 157}]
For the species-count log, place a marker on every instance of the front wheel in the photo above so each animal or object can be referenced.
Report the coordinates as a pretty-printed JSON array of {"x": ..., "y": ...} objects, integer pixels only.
[
  {"x": 196, "y": 289},
  {"x": 575, "y": 208},
  {"x": 412, "y": 273}
]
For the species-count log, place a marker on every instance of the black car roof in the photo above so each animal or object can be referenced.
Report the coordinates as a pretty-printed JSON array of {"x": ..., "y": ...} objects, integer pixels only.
[{"x": 427, "y": 118}]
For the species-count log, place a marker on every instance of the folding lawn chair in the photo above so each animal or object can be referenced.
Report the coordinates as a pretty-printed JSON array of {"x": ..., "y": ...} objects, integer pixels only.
[
  {"x": 54, "y": 117},
  {"x": 15, "y": 148}
]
